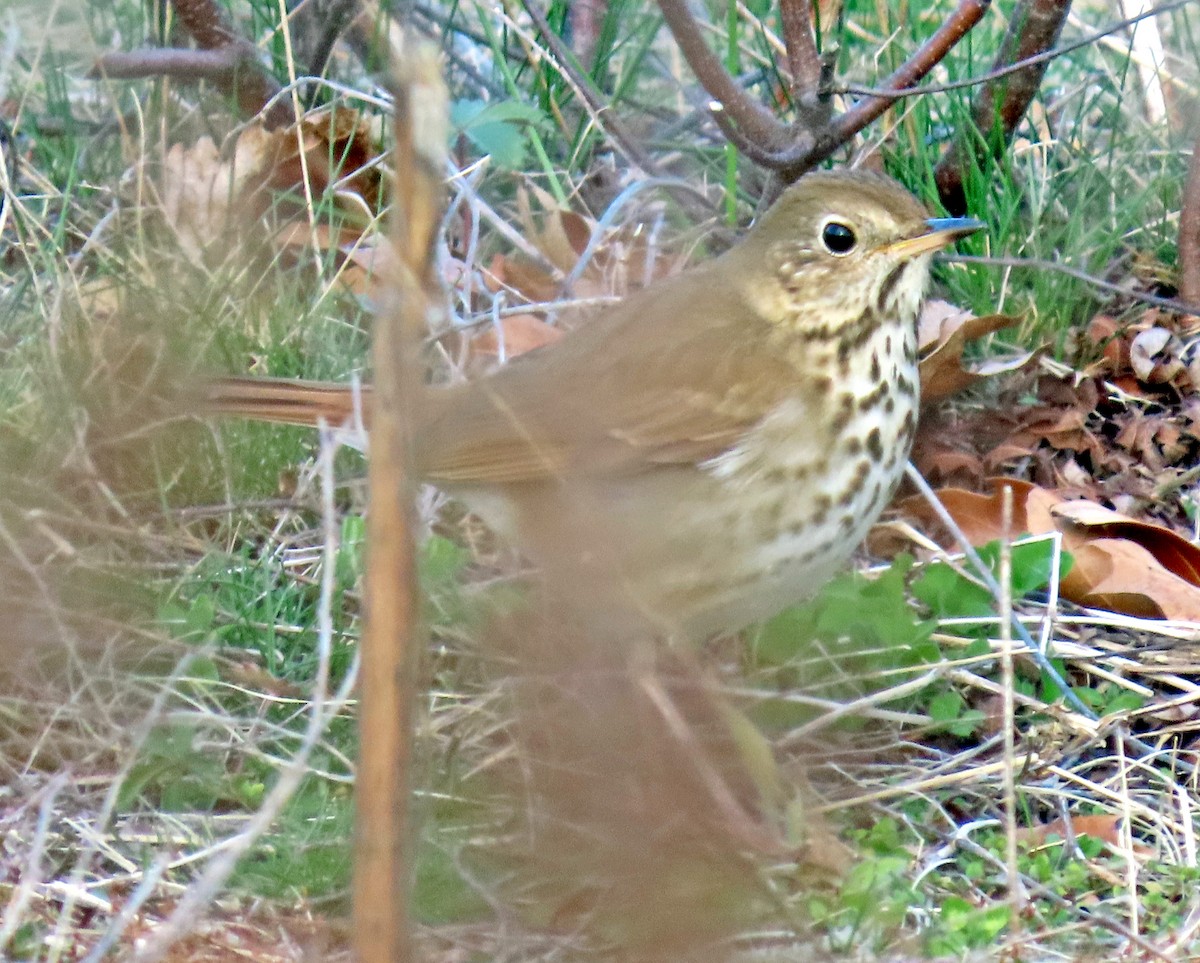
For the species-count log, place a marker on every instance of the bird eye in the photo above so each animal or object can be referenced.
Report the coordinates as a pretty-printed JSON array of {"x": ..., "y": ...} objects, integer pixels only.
[{"x": 838, "y": 238}]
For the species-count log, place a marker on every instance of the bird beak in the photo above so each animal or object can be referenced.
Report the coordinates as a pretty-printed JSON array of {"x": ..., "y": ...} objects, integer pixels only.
[{"x": 940, "y": 232}]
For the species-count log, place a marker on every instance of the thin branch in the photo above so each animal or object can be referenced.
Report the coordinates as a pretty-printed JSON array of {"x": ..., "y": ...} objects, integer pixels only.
[
  {"x": 1189, "y": 306},
  {"x": 809, "y": 148},
  {"x": 1033, "y": 30},
  {"x": 754, "y": 120},
  {"x": 215, "y": 66},
  {"x": 1019, "y": 65}
]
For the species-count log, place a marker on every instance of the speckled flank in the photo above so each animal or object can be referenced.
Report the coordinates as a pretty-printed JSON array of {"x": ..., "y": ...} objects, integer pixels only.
[{"x": 817, "y": 496}]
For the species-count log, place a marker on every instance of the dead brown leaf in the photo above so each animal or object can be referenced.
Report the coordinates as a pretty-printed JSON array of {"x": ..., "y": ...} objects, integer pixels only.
[
  {"x": 1121, "y": 576},
  {"x": 1174, "y": 552},
  {"x": 1105, "y": 826},
  {"x": 1121, "y": 564},
  {"x": 517, "y": 334},
  {"x": 209, "y": 198},
  {"x": 1154, "y": 357},
  {"x": 531, "y": 281},
  {"x": 943, "y": 371}
]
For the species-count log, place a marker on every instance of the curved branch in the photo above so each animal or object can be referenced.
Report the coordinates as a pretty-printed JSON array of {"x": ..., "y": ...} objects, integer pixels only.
[
  {"x": 754, "y": 120},
  {"x": 774, "y": 160}
]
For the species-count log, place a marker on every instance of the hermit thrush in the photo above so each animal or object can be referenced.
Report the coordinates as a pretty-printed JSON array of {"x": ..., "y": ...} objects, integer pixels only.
[{"x": 716, "y": 446}]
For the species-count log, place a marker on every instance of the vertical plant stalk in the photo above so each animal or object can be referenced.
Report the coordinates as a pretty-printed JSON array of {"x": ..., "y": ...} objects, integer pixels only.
[
  {"x": 1002, "y": 102},
  {"x": 804, "y": 62},
  {"x": 393, "y": 641},
  {"x": 1189, "y": 232},
  {"x": 1016, "y": 892}
]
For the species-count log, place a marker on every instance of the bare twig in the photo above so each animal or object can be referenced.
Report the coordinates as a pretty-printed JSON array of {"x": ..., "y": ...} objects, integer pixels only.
[
  {"x": 232, "y": 62},
  {"x": 1012, "y": 68},
  {"x": 211, "y": 65},
  {"x": 754, "y": 130},
  {"x": 1033, "y": 30},
  {"x": 1190, "y": 306},
  {"x": 930, "y": 54},
  {"x": 1008, "y": 728}
]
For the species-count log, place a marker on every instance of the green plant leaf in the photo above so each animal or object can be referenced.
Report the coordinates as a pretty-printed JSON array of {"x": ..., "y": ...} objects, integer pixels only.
[
  {"x": 946, "y": 707},
  {"x": 856, "y": 612},
  {"x": 950, "y": 594},
  {"x": 497, "y": 128}
]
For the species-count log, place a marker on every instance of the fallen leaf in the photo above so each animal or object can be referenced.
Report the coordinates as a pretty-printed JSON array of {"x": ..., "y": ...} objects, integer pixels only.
[
  {"x": 943, "y": 371},
  {"x": 938, "y": 320},
  {"x": 979, "y": 516},
  {"x": 1121, "y": 564},
  {"x": 516, "y": 334},
  {"x": 1174, "y": 552},
  {"x": 1099, "y": 826},
  {"x": 209, "y": 197},
  {"x": 1152, "y": 356},
  {"x": 533, "y": 282},
  {"x": 1102, "y": 826},
  {"x": 945, "y": 463},
  {"x": 1121, "y": 576}
]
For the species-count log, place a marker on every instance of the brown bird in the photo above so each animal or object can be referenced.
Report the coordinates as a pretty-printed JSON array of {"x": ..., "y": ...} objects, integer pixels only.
[{"x": 716, "y": 446}]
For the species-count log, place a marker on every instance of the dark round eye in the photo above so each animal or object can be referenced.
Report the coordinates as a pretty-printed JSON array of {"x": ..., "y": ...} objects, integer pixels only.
[{"x": 838, "y": 238}]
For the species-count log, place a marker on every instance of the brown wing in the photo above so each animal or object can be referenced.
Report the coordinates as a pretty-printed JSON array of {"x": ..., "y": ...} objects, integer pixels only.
[{"x": 673, "y": 375}]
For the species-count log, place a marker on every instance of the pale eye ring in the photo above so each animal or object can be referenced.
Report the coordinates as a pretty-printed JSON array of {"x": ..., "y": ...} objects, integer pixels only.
[{"x": 839, "y": 239}]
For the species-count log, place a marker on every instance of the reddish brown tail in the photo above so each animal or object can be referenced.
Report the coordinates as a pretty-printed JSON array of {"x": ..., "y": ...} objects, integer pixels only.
[{"x": 285, "y": 401}]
